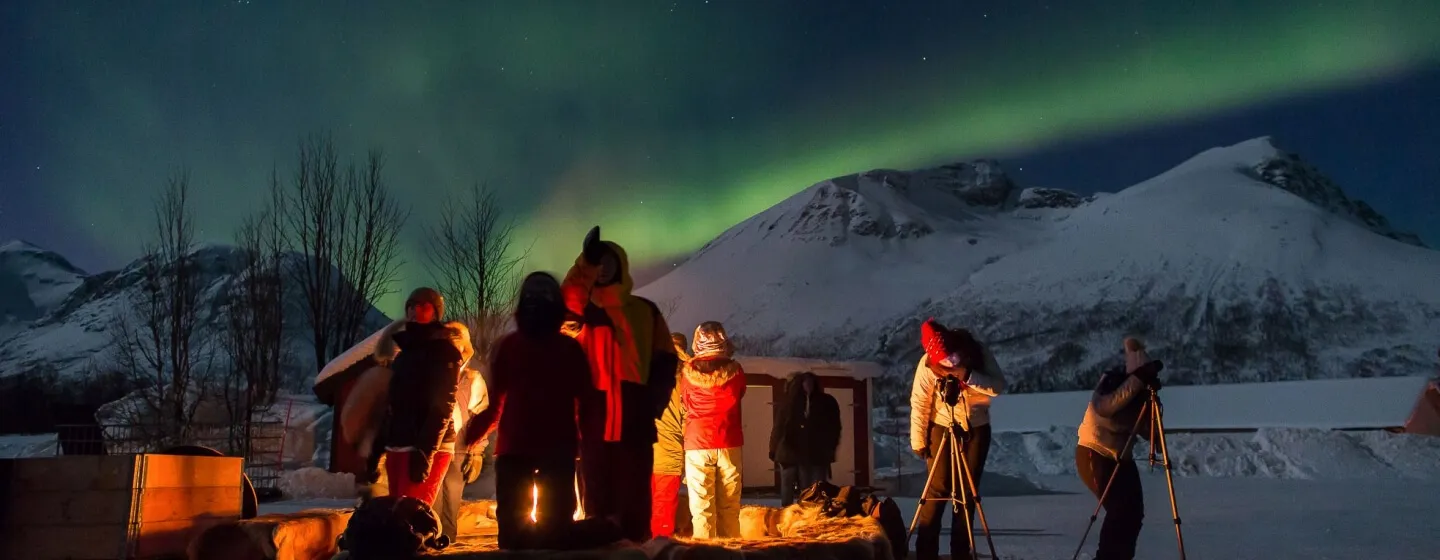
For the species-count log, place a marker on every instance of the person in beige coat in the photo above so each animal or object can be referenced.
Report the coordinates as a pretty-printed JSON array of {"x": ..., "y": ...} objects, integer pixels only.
[
  {"x": 1114, "y": 411},
  {"x": 950, "y": 352}
]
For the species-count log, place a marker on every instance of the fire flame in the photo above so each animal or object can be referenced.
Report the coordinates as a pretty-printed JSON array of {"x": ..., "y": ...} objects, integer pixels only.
[{"x": 534, "y": 502}]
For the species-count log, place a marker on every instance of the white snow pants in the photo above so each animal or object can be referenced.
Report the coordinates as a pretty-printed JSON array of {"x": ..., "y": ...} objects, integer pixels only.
[{"x": 712, "y": 478}]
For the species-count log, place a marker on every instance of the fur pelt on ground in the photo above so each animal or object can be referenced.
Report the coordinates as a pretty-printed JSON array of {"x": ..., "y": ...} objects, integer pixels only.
[
  {"x": 797, "y": 531},
  {"x": 294, "y": 536}
]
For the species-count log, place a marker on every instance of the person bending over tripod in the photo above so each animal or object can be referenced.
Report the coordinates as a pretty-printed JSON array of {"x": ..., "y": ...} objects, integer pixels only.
[
  {"x": 1103, "y": 452},
  {"x": 955, "y": 369}
]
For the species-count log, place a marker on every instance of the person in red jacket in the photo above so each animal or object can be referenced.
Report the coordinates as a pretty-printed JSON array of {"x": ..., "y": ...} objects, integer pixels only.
[
  {"x": 632, "y": 367},
  {"x": 713, "y": 385},
  {"x": 538, "y": 378}
]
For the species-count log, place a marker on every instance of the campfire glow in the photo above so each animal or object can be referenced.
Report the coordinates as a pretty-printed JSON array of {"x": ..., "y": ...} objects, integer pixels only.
[
  {"x": 579, "y": 504},
  {"x": 534, "y": 501}
]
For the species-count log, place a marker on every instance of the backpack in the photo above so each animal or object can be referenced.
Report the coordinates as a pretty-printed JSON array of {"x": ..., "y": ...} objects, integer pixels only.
[
  {"x": 851, "y": 501},
  {"x": 391, "y": 527}
]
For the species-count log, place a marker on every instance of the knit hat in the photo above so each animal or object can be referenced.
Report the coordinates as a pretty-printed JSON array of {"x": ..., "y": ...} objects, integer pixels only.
[
  {"x": 1135, "y": 355},
  {"x": 950, "y": 348},
  {"x": 426, "y": 295},
  {"x": 710, "y": 341},
  {"x": 932, "y": 339}
]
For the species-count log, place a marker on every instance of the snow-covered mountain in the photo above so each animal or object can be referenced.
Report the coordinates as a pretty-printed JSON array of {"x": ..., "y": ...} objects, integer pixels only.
[
  {"x": 73, "y": 336},
  {"x": 32, "y": 282},
  {"x": 1241, "y": 264}
]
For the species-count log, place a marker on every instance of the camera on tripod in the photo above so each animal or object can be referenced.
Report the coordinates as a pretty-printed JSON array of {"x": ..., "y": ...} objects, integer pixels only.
[{"x": 950, "y": 388}]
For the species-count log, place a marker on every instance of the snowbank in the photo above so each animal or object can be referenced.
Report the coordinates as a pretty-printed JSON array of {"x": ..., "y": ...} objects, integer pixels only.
[
  {"x": 1267, "y": 453},
  {"x": 315, "y": 483},
  {"x": 33, "y": 445}
]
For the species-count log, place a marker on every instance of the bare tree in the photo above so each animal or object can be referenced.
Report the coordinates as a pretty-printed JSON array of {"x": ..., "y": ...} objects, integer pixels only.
[
  {"x": 469, "y": 254},
  {"x": 348, "y": 226},
  {"x": 255, "y": 322},
  {"x": 156, "y": 344},
  {"x": 670, "y": 306}
]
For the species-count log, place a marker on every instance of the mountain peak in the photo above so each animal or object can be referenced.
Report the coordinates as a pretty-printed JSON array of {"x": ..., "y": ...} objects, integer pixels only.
[
  {"x": 20, "y": 246},
  {"x": 1287, "y": 171}
]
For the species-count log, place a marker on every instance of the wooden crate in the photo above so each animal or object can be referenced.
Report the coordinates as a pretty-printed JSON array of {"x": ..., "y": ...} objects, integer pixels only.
[{"x": 113, "y": 507}]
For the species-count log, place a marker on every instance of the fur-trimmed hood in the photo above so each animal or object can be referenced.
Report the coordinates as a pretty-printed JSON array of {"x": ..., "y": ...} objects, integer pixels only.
[
  {"x": 386, "y": 350},
  {"x": 710, "y": 373}
]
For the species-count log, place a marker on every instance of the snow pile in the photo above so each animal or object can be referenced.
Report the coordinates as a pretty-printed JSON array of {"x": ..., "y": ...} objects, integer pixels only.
[
  {"x": 311, "y": 483},
  {"x": 1267, "y": 453},
  {"x": 26, "y": 446}
]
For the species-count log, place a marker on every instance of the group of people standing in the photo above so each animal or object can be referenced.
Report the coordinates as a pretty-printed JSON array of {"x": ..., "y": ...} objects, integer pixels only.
[
  {"x": 592, "y": 376},
  {"x": 593, "y": 372}
]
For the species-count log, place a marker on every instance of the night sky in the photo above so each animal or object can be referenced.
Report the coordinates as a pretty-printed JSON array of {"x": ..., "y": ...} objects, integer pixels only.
[{"x": 667, "y": 122}]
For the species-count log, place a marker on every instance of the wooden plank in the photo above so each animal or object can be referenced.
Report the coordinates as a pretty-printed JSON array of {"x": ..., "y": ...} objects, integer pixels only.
[
  {"x": 76, "y": 542},
  {"x": 113, "y": 506},
  {"x": 171, "y": 538},
  {"x": 103, "y": 542},
  {"x": 71, "y": 473},
  {"x": 177, "y": 471}
]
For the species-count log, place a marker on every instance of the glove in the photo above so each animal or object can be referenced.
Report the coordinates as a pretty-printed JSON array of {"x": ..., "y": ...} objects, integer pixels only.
[
  {"x": 1150, "y": 373},
  {"x": 592, "y": 249},
  {"x": 923, "y": 453},
  {"x": 470, "y": 467},
  {"x": 419, "y": 466},
  {"x": 471, "y": 433}
]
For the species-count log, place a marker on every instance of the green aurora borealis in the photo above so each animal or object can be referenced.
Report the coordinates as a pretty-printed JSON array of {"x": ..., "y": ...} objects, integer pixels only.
[{"x": 665, "y": 123}]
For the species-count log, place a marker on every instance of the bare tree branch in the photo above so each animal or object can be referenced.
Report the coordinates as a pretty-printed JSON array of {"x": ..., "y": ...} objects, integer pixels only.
[
  {"x": 348, "y": 226},
  {"x": 469, "y": 255},
  {"x": 156, "y": 343},
  {"x": 255, "y": 321}
]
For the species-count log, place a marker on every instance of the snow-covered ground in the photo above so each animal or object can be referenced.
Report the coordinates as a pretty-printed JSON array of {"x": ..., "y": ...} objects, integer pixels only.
[
  {"x": 32, "y": 445},
  {"x": 1301, "y": 454},
  {"x": 1231, "y": 518},
  {"x": 1222, "y": 518}
]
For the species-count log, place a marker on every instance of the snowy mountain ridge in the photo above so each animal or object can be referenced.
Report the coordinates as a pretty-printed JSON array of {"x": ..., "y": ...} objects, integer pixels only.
[
  {"x": 75, "y": 334},
  {"x": 1240, "y": 264},
  {"x": 32, "y": 282}
]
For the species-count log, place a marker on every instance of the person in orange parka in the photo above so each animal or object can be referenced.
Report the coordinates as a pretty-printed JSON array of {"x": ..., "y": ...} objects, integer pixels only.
[
  {"x": 712, "y": 387},
  {"x": 632, "y": 365}
]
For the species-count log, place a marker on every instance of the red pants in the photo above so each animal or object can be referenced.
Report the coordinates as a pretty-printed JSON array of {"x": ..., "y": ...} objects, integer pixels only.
[
  {"x": 397, "y": 469},
  {"x": 665, "y": 498}
]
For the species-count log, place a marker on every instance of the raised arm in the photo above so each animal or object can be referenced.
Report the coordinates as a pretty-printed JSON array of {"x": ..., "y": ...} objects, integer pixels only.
[
  {"x": 481, "y": 424},
  {"x": 1110, "y": 398},
  {"x": 991, "y": 381}
]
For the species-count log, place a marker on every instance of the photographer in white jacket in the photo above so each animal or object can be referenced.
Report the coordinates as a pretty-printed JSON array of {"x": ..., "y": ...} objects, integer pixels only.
[{"x": 950, "y": 352}]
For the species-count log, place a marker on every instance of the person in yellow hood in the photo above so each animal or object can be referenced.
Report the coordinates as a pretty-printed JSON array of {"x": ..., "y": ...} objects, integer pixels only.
[
  {"x": 669, "y": 455},
  {"x": 632, "y": 366}
]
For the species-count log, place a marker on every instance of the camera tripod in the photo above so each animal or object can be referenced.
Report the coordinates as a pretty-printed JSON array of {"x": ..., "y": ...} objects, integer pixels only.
[
  {"x": 1154, "y": 411},
  {"x": 959, "y": 493}
]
